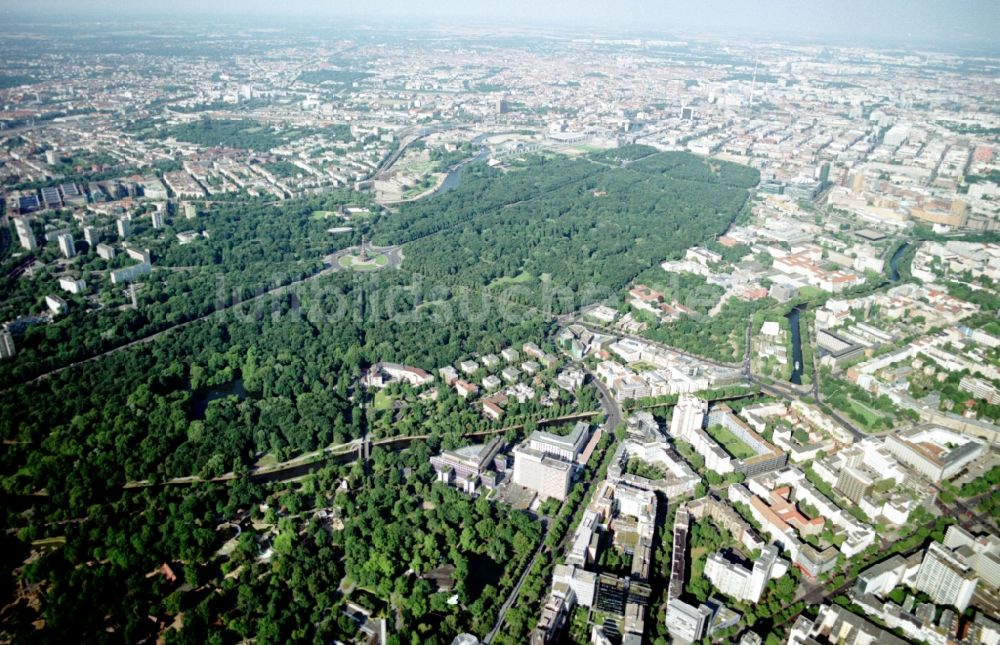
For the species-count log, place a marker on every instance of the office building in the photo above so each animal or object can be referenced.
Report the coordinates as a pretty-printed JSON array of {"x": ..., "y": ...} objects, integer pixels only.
[
  {"x": 934, "y": 452},
  {"x": 881, "y": 578},
  {"x": 737, "y": 581},
  {"x": 545, "y": 461},
  {"x": 547, "y": 475},
  {"x": 565, "y": 447},
  {"x": 91, "y": 236},
  {"x": 854, "y": 484},
  {"x": 582, "y": 582},
  {"x": 464, "y": 467},
  {"x": 124, "y": 227},
  {"x": 687, "y": 623},
  {"x": 897, "y": 134},
  {"x": 944, "y": 578},
  {"x": 7, "y": 349},
  {"x": 66, "y": 245},
  {"x": 24, "y": 234},
  {"x": 612, "y": 594}
]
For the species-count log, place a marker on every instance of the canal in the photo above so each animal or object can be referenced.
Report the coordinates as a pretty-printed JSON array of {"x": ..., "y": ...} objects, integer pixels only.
[{"x": 894, "y": 261}]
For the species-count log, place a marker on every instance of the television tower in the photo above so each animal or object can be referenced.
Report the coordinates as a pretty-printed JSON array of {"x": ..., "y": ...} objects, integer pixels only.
[{"x": 753, "y": 86}]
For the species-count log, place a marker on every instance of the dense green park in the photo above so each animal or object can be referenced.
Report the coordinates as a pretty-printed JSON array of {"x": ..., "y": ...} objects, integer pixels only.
[
  {"x": 580, "y": 230},
  {"x": 277, "y": 376}
]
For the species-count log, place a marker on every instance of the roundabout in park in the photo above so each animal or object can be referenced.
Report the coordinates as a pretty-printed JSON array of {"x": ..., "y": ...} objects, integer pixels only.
[
  {"x": 363, "y": 263},
  {"x": 368, "y": 258}
]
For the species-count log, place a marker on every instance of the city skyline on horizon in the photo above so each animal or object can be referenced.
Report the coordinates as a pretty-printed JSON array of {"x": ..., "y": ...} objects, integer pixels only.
[{"x": 963, "y": 25}]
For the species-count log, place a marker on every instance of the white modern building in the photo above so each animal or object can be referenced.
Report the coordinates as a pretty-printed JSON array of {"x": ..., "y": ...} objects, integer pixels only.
[
  {"x": 737, "y": 581},
  {"x": 106, "y": 251},
  {"x": 935, "y": 452},
  {"x": 66, "y": 245},
  {"x": 24, "y": 234},
  {"x": 547, "y": 475},
  {"x": 688, "y": 415},
  {"x": 582, "y": 582},
  {"x": 72, "y": 286},
  {"x": 91, "y": 236},
  {"x": 944, "y": 578},
  {"x": 687, "y": 623},
  {"x": 130, "y": 274},
  {"x": 55, "y": 304}
]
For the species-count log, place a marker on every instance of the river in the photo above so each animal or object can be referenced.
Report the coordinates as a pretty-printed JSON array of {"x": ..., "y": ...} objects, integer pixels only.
[
  {"x": 454, "y": 177},
  {"x": 793, "y": 323}
]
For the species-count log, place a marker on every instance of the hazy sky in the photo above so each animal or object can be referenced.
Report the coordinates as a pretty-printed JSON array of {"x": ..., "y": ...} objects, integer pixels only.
[{"x": 958, "y": 23}]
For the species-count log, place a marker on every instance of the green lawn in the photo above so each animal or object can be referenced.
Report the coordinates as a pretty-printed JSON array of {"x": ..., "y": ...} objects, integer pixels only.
[
  {"x": 522, "y": 278},
  {"x": 266, "y": 461},
  {"x": 865, "y": 415},
  {"x": 730, "y": 443},
  {"x": 421, "y": 167},
  {"x": 382, "y": 401},
  {"x": 318, "y": 215}
]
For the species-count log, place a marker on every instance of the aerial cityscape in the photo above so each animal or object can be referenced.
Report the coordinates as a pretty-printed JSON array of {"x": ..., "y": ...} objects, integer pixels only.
[{"x": 363, "y": 329}]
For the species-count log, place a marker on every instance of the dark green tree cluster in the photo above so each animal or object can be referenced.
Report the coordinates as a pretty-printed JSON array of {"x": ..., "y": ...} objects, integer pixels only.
[
  {"x": 251, "y": 248},
  {"x": 400, "y": 528},
  {"x": 577, "y": 235},
  {"x": 235, "y": 133}
]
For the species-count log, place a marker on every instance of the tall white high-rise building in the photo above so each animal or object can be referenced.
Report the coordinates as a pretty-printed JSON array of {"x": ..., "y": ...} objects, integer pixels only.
[
  {"x": 7, "y": 349},
  {"x": 157, "y": 219},
  {"x": 737, "y": 581},
  {"x": 24, "y": 234},
  {"x": 124, "y": 228},
  {"x": 91, "y": 236},
  {"x": 582, "y": 582},
  {"x": 66, "y": 245},
  {"x": 547, "y": 475},
  {"x": 689, "y": 414},
  {"x": 945, "y": 579}
]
